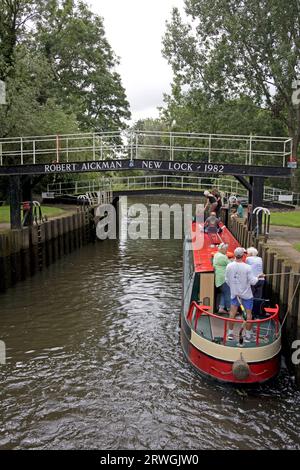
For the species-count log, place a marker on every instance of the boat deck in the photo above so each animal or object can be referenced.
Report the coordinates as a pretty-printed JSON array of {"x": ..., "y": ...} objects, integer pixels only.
[{"x": 212, "y": 329}]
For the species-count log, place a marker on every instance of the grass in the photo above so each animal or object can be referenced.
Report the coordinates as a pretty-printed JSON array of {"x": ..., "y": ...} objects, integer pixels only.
[
  {"x": 286, "y": 219},
  {"x": 297, "y": 246},
  {"x": 48, "y": 211}
]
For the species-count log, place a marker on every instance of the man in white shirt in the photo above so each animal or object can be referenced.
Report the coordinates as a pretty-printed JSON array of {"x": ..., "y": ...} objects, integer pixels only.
[{"x": 239, "y": 277}]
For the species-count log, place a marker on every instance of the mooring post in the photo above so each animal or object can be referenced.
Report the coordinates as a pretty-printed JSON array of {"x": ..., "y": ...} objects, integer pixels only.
[{"x": 15, "y": 191}]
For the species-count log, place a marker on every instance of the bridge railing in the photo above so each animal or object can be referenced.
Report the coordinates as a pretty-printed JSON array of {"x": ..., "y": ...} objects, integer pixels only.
[
  {"x": 173, "y": 146},
  {"x": 144, "y": 182},
  {"x": 227, "y": 185}
]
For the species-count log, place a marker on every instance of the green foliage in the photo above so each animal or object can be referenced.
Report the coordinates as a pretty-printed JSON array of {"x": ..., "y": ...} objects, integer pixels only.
[
  {"x": 234, "y": 64},
  {"x": 24, "y": 114},
  {"x": 229, "y": 49},
  {"x": 60, "y": 71},
  {"x": 73, "y": 40}
]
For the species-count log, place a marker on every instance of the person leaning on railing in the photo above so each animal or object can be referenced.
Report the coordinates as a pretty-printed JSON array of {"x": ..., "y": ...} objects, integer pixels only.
[
  {"x": 240, "y": 278},
  {"x": 211, "y": 201},
  {"x": 220, "y": 263}
]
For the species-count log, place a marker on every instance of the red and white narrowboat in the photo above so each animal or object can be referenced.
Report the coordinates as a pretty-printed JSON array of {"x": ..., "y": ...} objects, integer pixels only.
[{"x": 204, "y": 333}]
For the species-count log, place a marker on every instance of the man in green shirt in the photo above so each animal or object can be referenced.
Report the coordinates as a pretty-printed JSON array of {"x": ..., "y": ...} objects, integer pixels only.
[{"x": 220, "y": 263}]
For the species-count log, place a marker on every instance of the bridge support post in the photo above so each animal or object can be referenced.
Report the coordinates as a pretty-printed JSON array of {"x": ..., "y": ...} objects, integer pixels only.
[
  {"x": 257, "y": 191},
  {"x": 250, "y": 191},
  {"x": 27, "y": 196},
  {"x": 15, "y": 190},
  {"x": 257, "y": 196}
]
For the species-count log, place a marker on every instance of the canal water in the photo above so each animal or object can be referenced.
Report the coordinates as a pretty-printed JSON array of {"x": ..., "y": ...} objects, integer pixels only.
[{"x": 94, "y": 361}]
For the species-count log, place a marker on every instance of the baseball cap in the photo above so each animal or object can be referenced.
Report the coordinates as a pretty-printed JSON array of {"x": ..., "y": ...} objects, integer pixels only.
[{"x": 239, "y": 252}]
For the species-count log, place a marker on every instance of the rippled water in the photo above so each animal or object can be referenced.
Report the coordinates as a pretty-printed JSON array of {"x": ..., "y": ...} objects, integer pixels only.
[{"x": 94, "y": 361}]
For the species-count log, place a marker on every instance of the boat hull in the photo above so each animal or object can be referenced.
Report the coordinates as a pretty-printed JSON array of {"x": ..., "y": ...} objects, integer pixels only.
[{"x": 222, "y": 370}]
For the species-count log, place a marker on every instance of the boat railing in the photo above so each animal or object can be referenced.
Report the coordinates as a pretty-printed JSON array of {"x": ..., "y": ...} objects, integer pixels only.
[{"x": 273, "y": 315}]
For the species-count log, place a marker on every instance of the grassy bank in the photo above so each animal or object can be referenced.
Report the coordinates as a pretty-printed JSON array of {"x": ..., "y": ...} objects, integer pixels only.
[
  {"x": 287, "y": 219},
  {"x": 48, "y": 211}
]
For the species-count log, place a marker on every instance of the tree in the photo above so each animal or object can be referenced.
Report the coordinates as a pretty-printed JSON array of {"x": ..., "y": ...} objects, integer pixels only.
[
  {"x": 84, "y": 79},
  {"x": 15, "y": 15},
  {"x": 24, "y": 114},
  {"x": 230, "y": 47},
  {"x": 67, "y": 43},
  {"x": 59, "y": 69}
]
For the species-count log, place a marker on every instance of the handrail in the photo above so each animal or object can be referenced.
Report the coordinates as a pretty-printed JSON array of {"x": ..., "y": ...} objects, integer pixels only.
[
  {"x": 225, "y": 184},
  {"x": 274, "y": 315},
  {"x": 250, "y": 150}
]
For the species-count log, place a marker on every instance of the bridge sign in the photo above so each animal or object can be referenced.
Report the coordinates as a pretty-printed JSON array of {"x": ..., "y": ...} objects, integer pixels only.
[{"x": 147, "y": 165}]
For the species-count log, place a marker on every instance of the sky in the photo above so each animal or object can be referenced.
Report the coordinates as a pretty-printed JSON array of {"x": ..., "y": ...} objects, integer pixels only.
[{"x": 134, "y": 29}]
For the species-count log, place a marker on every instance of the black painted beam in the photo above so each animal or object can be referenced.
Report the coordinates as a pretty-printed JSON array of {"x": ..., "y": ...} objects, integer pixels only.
[
  {"x": 15, "y": 193},
  {"x": 147, "y": 165},
  {"x": 244, "y": 182},
  {"x": 257, "y": 199},
  {"x": 27, "y": 196},
  {"x": 250, "y": 193},
  {"x": 257, "y": 192}
]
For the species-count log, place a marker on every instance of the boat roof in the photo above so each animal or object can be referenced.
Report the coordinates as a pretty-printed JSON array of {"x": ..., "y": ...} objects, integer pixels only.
[{"x": 209, "y": 246}]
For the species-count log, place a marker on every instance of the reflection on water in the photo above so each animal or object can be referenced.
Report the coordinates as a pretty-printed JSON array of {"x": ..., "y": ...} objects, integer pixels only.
[{"x": 94, "y": 361}]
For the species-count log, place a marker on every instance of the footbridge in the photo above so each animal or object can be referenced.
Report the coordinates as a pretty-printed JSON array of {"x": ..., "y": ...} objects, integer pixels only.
[
  {"x": 250, "y": 159},
  {"x": 153, "y": 184}
]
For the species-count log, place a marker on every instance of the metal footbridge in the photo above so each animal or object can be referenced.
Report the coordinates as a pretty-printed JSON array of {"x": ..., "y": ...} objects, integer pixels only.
[
  {"x": 250, "y": 159},
  {"x": 149, "y": 151}
]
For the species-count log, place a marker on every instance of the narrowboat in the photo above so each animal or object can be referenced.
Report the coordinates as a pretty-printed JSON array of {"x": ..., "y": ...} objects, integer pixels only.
[{"x": 204, "y": 334}]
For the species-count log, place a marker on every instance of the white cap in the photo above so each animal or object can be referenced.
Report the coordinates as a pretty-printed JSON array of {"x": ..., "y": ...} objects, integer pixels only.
[
  {"x": 239, "y": 252},
  {"x": 206, "y": 193}
]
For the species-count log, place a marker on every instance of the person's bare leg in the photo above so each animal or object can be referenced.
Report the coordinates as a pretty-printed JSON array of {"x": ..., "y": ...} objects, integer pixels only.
[
  {"x": 249, "y": 317},
  {"x": 232, "y": 314}
]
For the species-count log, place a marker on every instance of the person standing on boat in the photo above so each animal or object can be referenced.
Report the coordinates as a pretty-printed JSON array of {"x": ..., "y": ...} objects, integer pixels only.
[
  {"x": 212, "y": 224},
  {"x": 256, "y": 264},
  {"x": 211, "y": 201},
  {"x": 220, "y": 263},
  {"x": 239, "y": 277},
  {"x": 218, "y": 197}
]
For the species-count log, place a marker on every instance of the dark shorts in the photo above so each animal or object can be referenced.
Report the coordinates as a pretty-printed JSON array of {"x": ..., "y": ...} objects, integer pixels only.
[{"x": 247, "y": 303}]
